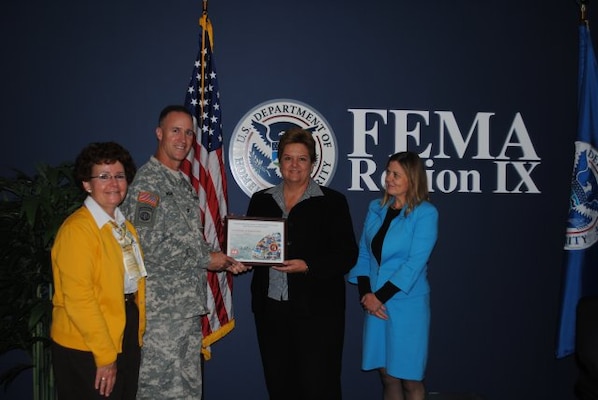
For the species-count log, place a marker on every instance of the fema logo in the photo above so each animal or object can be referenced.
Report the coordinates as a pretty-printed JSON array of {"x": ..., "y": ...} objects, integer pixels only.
[
  {"x": 253, "y": 150},
  {"x": 583, "y": 212}
]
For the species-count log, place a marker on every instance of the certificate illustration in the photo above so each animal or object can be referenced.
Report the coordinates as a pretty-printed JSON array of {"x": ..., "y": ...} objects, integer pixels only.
[{"x": 256, "y": 241}]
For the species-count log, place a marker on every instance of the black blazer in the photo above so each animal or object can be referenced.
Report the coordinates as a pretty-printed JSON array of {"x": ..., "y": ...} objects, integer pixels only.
[{"x": 320, "y": 232}]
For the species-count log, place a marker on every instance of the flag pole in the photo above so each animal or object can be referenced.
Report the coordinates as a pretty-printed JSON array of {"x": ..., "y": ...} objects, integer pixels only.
[{"x": 202, "y": 70}]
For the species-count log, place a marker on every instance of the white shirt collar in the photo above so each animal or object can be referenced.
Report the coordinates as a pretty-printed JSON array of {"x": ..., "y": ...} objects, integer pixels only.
[{"x": 100, "y": 216}]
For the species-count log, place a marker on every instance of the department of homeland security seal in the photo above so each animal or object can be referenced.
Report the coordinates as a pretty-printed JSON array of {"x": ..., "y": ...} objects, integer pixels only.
[
  {"x": 582, "y": 231},
  {"x": 253, "y": 149}
]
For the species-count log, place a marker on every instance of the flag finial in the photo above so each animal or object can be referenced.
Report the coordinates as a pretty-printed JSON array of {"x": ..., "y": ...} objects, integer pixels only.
[
  {"x": 583, "y": 9},
  {"x": 205, "y": 6}
]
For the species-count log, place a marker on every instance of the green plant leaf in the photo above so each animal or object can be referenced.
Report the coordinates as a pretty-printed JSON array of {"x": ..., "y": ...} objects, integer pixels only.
[{"x": 32, "y": 208}]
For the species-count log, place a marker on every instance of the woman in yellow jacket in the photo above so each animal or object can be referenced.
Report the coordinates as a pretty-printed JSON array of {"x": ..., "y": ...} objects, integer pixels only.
[{"x": 98, "y": 317}]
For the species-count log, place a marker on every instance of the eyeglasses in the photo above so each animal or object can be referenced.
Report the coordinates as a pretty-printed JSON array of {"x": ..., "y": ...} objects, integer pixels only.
[{"x": 108, "y": 177}]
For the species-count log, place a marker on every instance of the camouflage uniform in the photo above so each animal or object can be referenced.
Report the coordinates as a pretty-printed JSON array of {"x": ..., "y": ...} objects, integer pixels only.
[{"x": 165, "y": 210}]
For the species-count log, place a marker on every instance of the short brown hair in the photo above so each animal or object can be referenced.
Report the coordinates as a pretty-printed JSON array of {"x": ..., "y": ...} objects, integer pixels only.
[
  {"x": 103, "y": 153},
  {"x": 173, "y": 108},
  {"x": 298, "y": 135}
]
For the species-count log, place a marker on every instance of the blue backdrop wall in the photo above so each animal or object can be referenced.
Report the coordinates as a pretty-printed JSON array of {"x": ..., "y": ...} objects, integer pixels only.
[{"x": 504, "y": 72}]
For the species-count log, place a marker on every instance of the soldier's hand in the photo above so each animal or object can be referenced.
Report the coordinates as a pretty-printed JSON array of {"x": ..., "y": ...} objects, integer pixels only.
[
  {"x": 237, "y": 267},
  {"x": 219, "y": 261}
]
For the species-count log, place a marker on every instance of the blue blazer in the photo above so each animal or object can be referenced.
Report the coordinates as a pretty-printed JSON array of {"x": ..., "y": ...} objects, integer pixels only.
[{"x": 405, "y": 251}]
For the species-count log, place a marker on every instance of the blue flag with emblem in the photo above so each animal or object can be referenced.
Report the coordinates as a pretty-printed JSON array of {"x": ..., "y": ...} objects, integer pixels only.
[{"x": 579, "y": 278}]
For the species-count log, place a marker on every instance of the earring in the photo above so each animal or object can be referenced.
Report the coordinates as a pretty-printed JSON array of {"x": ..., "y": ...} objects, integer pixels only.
[{"x": 88, "y": 190}]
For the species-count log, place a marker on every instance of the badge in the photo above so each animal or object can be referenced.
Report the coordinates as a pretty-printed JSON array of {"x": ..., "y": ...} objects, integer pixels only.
[{"x": 144, "y": 215}]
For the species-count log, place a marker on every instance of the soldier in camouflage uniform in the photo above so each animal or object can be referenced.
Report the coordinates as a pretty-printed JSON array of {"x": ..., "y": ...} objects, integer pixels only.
[{"x": 164, "y": 208}]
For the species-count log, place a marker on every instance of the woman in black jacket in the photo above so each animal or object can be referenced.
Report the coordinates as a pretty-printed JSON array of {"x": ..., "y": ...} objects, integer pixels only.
[{"x": 299, "y": 308}]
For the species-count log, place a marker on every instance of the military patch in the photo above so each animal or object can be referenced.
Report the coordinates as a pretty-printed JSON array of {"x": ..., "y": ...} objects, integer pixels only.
[
  {"x": 144, "y": 215},
  {"x": 148, "y": 198}
]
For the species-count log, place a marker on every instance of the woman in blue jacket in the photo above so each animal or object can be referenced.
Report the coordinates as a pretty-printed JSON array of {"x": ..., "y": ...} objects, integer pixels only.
[{"x": 398, "y": 236}]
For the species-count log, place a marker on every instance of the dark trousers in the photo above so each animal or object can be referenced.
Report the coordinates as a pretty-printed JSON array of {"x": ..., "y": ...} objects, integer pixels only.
[
  {"x": 301, "y": 356},
  {"x": 75, "y": 370}
]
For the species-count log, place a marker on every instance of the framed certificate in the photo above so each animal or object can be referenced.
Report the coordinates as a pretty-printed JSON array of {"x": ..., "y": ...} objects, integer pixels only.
[{"x": 256, "y": 241}]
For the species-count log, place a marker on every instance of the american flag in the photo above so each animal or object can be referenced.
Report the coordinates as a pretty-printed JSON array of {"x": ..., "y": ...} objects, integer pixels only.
[{"x": 205, "y": 168}]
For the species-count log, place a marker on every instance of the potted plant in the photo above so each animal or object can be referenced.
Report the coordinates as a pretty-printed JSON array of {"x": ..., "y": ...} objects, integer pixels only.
[{"x": 32, "y": 208}]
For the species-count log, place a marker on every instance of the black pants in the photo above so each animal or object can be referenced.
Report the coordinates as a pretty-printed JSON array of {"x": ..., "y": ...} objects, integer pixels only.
[
  {"x": 301, "y": 357},
  {"x": 75, "y": 370}
]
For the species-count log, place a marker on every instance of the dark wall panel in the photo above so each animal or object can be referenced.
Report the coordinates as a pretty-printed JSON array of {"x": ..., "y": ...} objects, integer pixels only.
[{"x": 77, "y": 72}]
